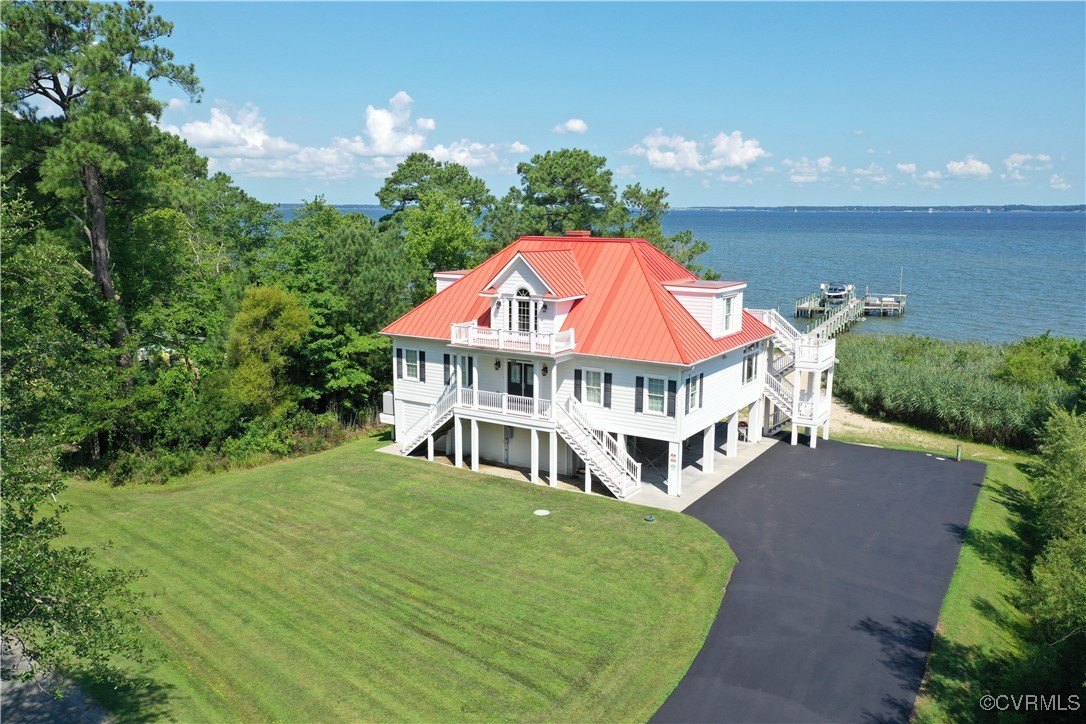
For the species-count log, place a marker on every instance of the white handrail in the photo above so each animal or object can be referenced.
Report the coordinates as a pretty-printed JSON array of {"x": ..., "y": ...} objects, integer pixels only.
[
  {"x": 423, "y": 425},
  {"x": 609, "y": 445}
]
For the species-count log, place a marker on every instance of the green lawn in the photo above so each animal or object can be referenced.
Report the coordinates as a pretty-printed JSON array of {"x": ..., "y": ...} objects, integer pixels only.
[
  {"x": 979, "y": 647},
  {"x": 354, "y": 585}
]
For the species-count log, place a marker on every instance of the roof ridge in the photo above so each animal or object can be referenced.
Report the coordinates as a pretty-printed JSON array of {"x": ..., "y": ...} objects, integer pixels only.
[{"x": 668, "y": 322}]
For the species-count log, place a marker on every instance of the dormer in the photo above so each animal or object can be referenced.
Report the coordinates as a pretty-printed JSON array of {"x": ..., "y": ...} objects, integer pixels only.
[
  {"x": 446, "y": 279},
  {"x": 534, "y": 291},
  {"x": 716, "y": 306}
]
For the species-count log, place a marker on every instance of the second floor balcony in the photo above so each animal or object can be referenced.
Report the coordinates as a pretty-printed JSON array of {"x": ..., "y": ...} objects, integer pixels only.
[{"x": 470, "y": 334}]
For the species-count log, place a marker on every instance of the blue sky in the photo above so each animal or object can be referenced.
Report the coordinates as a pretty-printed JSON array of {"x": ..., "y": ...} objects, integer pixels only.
[{"x": 721, "y": 103}]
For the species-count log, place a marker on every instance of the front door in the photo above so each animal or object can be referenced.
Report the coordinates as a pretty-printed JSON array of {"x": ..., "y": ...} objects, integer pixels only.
[{"x": 521, "y": 379}]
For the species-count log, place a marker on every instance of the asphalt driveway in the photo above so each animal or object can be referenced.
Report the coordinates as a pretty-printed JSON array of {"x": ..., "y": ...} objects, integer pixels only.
[{"x": 845, "y": 554}]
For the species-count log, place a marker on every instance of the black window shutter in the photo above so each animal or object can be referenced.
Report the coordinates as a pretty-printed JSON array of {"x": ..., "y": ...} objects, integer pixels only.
[
  {"x": 471, "y": 371},
  {"x": 607, "y": 389},
  {"x": 671, "y": 398},
  {"x": 422, "y": 366},
  {"x": 448, "y": 366},
  {"x": 399, "y": 363},
  {"x": 687, "y": 394},
  {"x": 701, "y": 390},
  {"x": 577, "y": 384},
  {"x": 639, "y": 396}
]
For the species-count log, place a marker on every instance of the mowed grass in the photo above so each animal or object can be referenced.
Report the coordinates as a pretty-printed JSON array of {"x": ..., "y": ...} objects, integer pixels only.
[
  {"x": 978, "y": 642},
  {"x": 354, "y": 585}
]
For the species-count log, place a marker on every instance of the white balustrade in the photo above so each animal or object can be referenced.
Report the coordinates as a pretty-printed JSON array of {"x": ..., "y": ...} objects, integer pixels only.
[{"x": 470, "y": 334}]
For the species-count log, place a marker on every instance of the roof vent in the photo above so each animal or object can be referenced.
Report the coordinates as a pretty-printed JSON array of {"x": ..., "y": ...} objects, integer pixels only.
[{"x": 579, "y": 234}]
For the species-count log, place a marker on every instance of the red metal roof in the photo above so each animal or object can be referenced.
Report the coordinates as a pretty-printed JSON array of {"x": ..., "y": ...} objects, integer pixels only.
[{"x": 625, "y": 311}]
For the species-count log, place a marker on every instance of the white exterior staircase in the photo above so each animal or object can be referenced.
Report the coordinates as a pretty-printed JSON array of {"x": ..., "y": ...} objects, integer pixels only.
[
  {"x": 601, "y": 452},
  {"x": 436, "y": 416},
  {"x": 812, "y": 352}
]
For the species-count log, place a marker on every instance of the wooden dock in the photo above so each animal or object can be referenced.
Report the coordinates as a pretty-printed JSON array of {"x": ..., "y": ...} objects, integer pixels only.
[{"x": 828, "y": 319}]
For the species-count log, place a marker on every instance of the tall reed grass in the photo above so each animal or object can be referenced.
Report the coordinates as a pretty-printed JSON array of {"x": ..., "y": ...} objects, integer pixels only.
[{"x": 959, "y": 388}]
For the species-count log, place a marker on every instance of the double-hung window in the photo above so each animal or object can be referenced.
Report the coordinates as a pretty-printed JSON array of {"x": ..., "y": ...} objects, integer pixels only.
[
  {"x": 411, "y": 364},
  {"x": 656, "y": 395},
  {"x": 728, "y": 316},
  {"x": 593, "y": 387},
  {"x": 693, "y": 393}
]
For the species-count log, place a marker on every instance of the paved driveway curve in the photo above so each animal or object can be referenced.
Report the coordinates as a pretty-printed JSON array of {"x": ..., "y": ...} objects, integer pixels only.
[{"x": 845, "y": 554}]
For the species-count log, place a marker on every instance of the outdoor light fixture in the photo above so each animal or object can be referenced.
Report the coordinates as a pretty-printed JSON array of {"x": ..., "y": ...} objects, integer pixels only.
[
  {"x": 545, "y": 370},
  {"x": 497, "y": 364},
  {"x": 543, "y": 308}
]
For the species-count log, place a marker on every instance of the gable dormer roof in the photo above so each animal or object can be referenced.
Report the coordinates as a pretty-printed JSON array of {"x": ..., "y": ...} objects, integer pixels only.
[
  {"x": 556, "y": 268},
  {"x": 624, "y": 310}
]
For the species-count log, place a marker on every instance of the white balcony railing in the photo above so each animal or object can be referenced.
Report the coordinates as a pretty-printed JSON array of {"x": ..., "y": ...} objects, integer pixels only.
[
  {"x": 506, "y": 404},
  {"x": 470, "y": 334}
]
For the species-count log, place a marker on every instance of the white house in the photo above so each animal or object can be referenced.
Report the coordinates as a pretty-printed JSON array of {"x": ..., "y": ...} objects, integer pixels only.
[{"x": 570, "y": 354}]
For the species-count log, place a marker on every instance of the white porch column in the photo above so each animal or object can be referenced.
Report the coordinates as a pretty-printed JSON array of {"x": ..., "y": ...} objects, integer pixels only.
[
  {"x": 732, "y": 449},
  {"x": 767, "y": 414},
  {"x": 475, "y": 380},
  {"x": 554, "y": 384},
  {"x": 754, "y": 424},
  {"x": 797, "y": 378},
  {"x": 552, "y": 462},
  {"x": 708, "y": 449},
  {"x": 534, "y": 475},
  {"x": 430, "y": 448},
  {"x": 675, "y": 468},
  {"x": 587, "y": 477},
  {"x": 475, "y": 445},
  {"x": 829, "y": 396},
  {"x": 535, "y": 387},
  {"x": 458, "y": 435}
]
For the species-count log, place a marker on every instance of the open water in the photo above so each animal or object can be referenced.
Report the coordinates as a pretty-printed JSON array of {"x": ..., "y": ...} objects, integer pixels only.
[{"x": 997, "y": 276}]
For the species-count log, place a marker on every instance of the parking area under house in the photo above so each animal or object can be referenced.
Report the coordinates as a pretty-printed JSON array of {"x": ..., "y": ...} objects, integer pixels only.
[{"x": 653, "y": 455}]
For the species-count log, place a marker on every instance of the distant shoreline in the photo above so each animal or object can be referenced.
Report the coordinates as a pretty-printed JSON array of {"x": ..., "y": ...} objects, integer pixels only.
[{"x": 980, "y": 209}]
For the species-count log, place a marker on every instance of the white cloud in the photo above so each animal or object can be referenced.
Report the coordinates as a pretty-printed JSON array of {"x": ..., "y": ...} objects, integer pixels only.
[
  {"x": 858, "y": 132},
  {"x": 971, "y": 167},
  {"x": 932, "y": 176},
  {"x": 474, "y": 154},
  {"x": 906, "y": 167},
  {"x": 807, "y": 171},
  {"x": 1058, "y": 183},
  {"x": 237, "y": 141},
  {"x": 241, "y": 134},
  {"x": 1016, "y": 163},
  {"x": 731, "y": 151},
  {"x": 573, "y": 125},
  {"x": 677, "y": 153},
  {"x": 390, "y": 132},
  {"x": 177, "y": 104},
  {"x": 873, "y": 173},
  {"x": 803, "y": 171}
]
